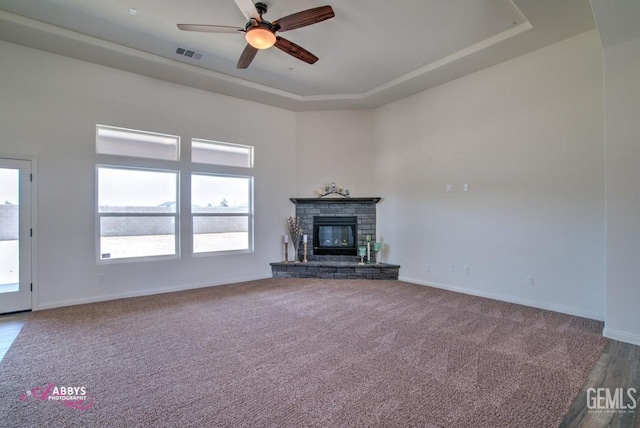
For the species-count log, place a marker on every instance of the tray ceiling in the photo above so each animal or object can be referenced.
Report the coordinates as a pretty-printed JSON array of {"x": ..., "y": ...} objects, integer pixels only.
[{"x": 373, "y": 52}]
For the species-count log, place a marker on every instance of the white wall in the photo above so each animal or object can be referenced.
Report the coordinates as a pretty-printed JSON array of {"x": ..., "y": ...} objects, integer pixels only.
[
  {"x": 50, "y": 107},
  {"x": 526, "y": 136},
  {"x": 335, "y": 146},
  {"x": 622, "y": 142}
]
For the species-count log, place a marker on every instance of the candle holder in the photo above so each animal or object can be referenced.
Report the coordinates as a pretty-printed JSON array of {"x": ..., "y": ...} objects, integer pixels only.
[
  {"x": 304, "y": 249},
  {"x": 377, "y": 246},
  {"x": 286, "y": 252},
  {"x": 362, "y": 251}
]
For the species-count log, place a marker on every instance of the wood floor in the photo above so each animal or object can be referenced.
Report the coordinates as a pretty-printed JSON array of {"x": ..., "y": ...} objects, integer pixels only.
[
  {"x": 617, "y": 367},
  {"x": 10, "y": 326}
]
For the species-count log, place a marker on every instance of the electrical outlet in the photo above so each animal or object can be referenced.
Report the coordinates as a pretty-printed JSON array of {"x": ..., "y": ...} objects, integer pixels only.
[
  {"x": 530, "y": 280},
  {"x": 451, "y": 268},
  {"x": 465, "y": 187},
  {"x": 427, "y": 267},
  {"x": 449, "y": 188},
  {"x": 465, "y": 269},
  {"x": 100, "y": 277}
]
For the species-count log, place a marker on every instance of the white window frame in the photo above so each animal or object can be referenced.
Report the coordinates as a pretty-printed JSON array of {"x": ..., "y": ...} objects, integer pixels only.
[
  {"x": 249, "y": 215},
  {"x": 142, "y": 136},
  {"x": 101, "y": 215},
  {"x": 223, "y": 144},
  {"x": 183, "y": 168}
]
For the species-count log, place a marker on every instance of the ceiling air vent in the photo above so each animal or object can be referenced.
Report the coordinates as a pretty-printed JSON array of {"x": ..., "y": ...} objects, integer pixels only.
[{"x": 189, "y": 53}]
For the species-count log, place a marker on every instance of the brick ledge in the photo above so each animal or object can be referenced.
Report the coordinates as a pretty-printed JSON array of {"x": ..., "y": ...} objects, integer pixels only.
[{"x": 334, "y": 270}]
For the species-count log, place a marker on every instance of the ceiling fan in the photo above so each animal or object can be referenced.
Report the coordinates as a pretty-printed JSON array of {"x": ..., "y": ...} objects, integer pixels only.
[{"x": 261, "y": 34}]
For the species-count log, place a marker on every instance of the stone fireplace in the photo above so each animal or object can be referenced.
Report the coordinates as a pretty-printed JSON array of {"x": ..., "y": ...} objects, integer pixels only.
[
  {"x": 340, "y": 216},
  {"x": 335, "y": 228}
]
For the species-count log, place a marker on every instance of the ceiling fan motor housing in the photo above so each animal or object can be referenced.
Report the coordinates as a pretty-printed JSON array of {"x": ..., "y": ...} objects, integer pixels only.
[
  {"x": 262, "y": 24},
  {"x": 261, "y": 8}
]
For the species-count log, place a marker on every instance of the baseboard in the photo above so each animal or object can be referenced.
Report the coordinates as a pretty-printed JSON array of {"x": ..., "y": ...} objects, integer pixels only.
[
  {"x": 621, "y": 336},
  {"x": 140, "y": 293},
  {"x": 510, "y": 299}
]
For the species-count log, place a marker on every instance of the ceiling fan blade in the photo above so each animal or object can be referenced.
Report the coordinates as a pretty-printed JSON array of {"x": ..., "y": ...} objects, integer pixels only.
[
  {"x": 248, "y": 9},
  {"x": 304, "y": 18},
  {"x": 210, "y": 28},
  {"x": 247, "y": 56},
  {"x": 295, "y": 51}
]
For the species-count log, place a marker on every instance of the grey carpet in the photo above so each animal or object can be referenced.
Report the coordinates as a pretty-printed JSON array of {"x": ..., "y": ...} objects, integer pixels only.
[{"x": 294, "y": 353}]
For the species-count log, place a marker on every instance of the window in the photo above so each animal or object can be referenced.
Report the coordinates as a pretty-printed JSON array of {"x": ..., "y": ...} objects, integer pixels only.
[
  {"x": 137, "y": 212},
  {"x": 221, "y": 207},
  {"x": 130, "y": 142},
  {"x": 216, "y": 153},
  {"x": 138, "y": 200}
]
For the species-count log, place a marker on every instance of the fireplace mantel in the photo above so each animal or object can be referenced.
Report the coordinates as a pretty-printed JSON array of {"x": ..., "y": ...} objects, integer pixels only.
[{"x": 373, "y": 200}]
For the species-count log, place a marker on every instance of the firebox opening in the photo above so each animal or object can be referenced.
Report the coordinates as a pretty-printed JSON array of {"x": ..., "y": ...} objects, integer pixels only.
[{"x": 335, "y": 236}]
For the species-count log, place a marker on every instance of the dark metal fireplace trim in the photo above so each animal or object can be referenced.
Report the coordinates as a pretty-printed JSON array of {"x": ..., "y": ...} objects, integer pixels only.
[{"x": 350, "y": 222}]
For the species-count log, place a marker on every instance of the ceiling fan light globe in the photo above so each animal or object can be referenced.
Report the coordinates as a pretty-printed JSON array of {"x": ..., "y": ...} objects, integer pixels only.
[{"x": 260, "y": 38}]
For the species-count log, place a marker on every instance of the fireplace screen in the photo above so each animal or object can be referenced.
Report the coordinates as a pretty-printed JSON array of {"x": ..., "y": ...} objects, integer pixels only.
[{"x": 335, "y": 235}]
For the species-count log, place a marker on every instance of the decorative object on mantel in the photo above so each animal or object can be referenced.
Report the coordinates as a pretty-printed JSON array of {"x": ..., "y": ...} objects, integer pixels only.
[
  {"x": 331, "y": 189},
  {"x": 295, "y": 230}
]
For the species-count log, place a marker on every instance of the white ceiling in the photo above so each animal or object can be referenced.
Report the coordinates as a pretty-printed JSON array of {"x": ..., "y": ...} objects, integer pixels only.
[
  {"x": 371, "y": 53},
  {"x": 618, "y": 21}
]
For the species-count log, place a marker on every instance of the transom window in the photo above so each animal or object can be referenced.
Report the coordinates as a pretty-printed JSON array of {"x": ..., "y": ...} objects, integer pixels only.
[
  {"x": 130, "y": 142},
  {"x": 217, "y": 153}
]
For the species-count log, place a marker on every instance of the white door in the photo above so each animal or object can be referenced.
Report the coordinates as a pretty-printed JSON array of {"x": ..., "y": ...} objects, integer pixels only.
[{"x": 15, "y": 235}]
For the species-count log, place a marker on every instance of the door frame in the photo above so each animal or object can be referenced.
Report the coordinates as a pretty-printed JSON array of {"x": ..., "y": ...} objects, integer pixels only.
[{"x": 34, "y": 210}]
